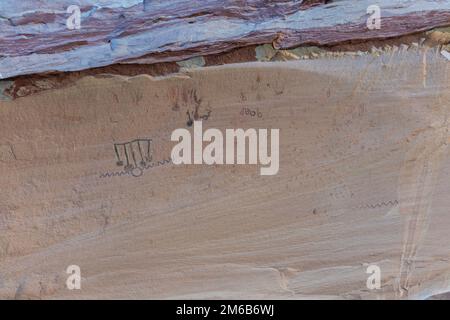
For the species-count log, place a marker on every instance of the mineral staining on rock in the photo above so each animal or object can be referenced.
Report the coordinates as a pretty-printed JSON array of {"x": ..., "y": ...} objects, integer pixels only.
[
  {"x": 362, "y": 182},
  {"x": 88, "y": 178}
]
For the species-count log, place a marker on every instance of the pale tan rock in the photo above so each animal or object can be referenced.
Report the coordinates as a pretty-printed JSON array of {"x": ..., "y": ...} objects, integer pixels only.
[{"x": 364, "y": 180}]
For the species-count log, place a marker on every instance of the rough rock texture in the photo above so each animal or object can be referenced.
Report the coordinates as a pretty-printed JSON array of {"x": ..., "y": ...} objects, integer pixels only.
[
  {"x": 26, "y": 85},
  {"x": 364, "y": 179},
  {"x": 34, "y": 37}
]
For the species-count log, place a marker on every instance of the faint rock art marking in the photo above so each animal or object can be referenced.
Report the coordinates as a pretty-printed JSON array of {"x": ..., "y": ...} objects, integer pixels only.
[
  {"x": 191, "y": 96},
  {"x": 137, "y": 96},
  {"x": 341, "y": 192},
  {"x": 250, "y": 112},
  {"x": 116, "y": 97},
  {"x": 106, "y": 211},
  {"x": 192, "y": 118},
  {"x": 188, "y": 98}
]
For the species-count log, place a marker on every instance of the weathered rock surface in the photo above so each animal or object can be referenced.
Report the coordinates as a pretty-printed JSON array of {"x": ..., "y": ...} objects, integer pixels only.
[
  {"x": 364, "y": 180},
  {"x": 34, "y": 37}
]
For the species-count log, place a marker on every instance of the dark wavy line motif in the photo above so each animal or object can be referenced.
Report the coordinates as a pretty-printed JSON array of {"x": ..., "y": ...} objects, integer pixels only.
[
  {"x": 136, "y": 171},
  {"x": 389, "y": 203},
  {"x": 114, "y": 174}
]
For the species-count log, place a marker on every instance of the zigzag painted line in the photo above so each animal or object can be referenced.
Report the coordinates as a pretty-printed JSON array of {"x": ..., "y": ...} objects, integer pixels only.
[
  {"x": 114, "y": 174},
  {"x": 157, "y": 164},
  {"x": 379, "y": 205},
  {"x": 142, "y": 168}
]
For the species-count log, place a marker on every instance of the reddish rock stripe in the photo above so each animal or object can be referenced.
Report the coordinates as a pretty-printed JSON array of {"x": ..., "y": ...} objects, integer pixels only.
[{"x": 391, "y": 27}]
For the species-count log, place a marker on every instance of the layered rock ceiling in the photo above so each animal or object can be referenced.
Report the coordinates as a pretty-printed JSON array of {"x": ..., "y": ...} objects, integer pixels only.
[
  {"x": 34, "y": 37},
  {"x": 364, "y": 175}
]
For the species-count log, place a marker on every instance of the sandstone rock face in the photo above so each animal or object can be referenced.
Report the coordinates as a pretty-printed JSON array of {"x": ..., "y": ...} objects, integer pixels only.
[{"x": 364, "y": 180}]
